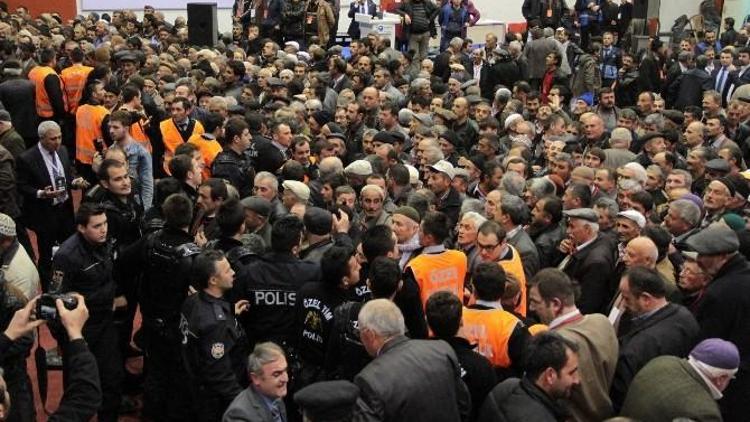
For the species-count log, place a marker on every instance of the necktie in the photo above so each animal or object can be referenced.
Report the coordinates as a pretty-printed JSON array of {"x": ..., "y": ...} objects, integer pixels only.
[
  {"x": 57, "y": 172},
  {"x": 276, "y": 413},
  {"x": 720, "y": 79}
]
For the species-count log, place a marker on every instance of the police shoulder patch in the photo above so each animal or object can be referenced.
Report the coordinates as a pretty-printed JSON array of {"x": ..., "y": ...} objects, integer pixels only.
[{"x": 217, "y": 350}]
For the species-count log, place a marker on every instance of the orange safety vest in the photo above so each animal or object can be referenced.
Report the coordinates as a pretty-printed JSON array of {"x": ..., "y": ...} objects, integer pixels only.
[
  {"x": 209, "y": 149},
  {"x": 43, "y": 105},
  {"x": 74, "y": 80},
  {"x": 490, "y": 330},
  {"x": 514, "y": 266},
  {"x": 440, "y": 271},
  {"x": 139, "y": 136},
  {"x": 89, "y": 120},
  {"x": 171, "y": 137}
]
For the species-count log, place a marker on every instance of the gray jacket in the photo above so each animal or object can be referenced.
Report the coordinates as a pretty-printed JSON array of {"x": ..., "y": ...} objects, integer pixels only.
[{"x": 249, "y": 406}]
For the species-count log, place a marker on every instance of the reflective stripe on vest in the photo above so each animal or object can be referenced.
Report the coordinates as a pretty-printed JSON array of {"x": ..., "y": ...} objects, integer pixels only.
[
  {"x": 171, "y": 138},
  {"x": 209, "y": 149},
  {"x": 137, "y": 133},
  {"x": 437, "y": 272},
  {"x": 43, "y": 105},
  {"x": 74, "y": 80},
  {"x": 514, "y": 266},
  {"x": 490, "y": 330},
  {"x": 89, "y": 120}
]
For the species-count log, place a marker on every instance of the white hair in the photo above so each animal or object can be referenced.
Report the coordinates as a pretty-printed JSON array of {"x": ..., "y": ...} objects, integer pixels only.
[
  {"x": 639, "y": 173},
  {"x": 382, "y": 317},
  {"x": 45, "y": 127},
  {"x": 265, "y": 175},
  {"x": 475, "y": 218}
]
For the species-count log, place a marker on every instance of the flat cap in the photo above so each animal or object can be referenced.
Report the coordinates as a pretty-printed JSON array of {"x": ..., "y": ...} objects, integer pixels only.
[
  {"x": 728, "y": 183},
  {"x": 473, "y": 99},
  {"x": 587, "y": 214},
  {"x": 359, "y": 168},
  {"x": 257, "y": 204},
  {"x": 299, "y": 189},
  {"x": 714, "y": 240},
  {"x": 718, "y": 164},
  {"x": 318, "y": 221},
  {"x": 7, "y": 226},
  {"x": 445, "y": 114},
  {"x": 444, "y": 167},
  {"x": 633, "y": 216},
  {"x": 337, "y": 135},
  {"x": 272, "y": 82},
  {"x": 423, "y": 118},
  {"x": 408, "y": 212},
  {"x": 4, "y": 116},
  {"x": 328, "y": 400},
  {"x": 384, "y": 137}
]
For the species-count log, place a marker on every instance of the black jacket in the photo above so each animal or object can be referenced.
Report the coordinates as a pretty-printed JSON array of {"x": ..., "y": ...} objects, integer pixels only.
[
  {"x": 476, "y": 372},
  {"x": 316, "y": 304},
  {"x": 546, "y": 240},
  {"x": 83, "y": 392},
  {"x": 235, "y": 168},
  {"x": 691, "y": 88},
  {"x": 725, "y": 313},
  {"x": 407, "y": 8},
  {"x": 266, "y": 156},
  {"x": 451, "y": 206},
  {"x": 520, "y": 400},
  {"x": 672, "y": 330},
  {"x": 592, "y": 268},
  {"x": 17, "y": 97},
  {"x": 271, "y": 284},
  {"x": 81, "y": 267}
]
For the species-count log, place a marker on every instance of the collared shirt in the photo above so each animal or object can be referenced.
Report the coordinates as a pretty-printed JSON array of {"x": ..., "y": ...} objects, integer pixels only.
[
  {"x": 478, "y": 71},
  {"x": 563, "y": 319},
  {"x": 513, "y": 231},
  {"x": 273, "y": 406},
  {"x": 281, "y": 148},
  {"x": 434, "y": 249},
  {"x": 585, "y": 244},
  {"x": 54, "y": 169},
  {"x": 490, "y": 304},
  {"x": 647, "y": 315}
]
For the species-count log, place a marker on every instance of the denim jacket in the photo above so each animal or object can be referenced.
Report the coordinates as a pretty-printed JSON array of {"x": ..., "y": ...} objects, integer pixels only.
[{"x": 140, "y": 168}]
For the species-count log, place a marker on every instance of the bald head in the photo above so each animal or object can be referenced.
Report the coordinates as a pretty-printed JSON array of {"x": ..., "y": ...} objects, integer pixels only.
[{"x": 641, "y": 252}]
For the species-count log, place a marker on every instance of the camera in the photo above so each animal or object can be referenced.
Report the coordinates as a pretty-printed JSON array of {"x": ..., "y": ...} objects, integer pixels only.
[{"x": 46, "y": 307}]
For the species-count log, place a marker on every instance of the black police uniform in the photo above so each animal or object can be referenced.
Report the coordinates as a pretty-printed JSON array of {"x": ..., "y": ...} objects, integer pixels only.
[
  {"x": 316, "y": 303},
  {"x": 271, "y": 284},
  {"x": 237, "y": 253},
  {"x": 123, "y": 228},
  {"x": 81, "y": 267},
  {"x": 215, "y": 349},
  {"x": 346, "y": 356},
  {"x": 237, "y": 169},
  {"x": 163, "y": 260}
]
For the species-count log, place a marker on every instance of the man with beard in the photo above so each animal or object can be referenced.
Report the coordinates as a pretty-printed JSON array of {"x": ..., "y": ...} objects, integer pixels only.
[
  {"x": 550, "y": 374},
  {"x": 607, "y": 109},
  {"x": 628, "y": 83},
  {"x": 545, "y": 229}
]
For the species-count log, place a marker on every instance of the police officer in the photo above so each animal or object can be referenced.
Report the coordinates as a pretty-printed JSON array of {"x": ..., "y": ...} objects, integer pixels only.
[
  {"x": 214, "y": 344},
  {"x": 271, "y": 284},
  {"x": 123, "y": 229},
  {"x": 84, "y": 264},
  {"x": 163, "y": 260},
  {"x": 233, "y": 163},
  {"x": 239, "y": 248}
]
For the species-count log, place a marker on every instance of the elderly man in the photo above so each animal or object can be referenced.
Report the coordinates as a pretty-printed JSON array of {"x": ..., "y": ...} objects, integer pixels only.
[
  {"x": 725, "y": 308},
  {"x": 468, "y": 229},
  {"x": 371, "y": 199},
  {"x": 266, "y": 186},
  {"x": 294, "y": 193},
  {"x": 552, "y": 297},
  {"x": 670, "y": 388},
  {"x": 658, "y": 327},
  {"x": 692, "y": 282},
  {"x": 262, "y": 401},
  {"x": 589, "y": 259},
  {"x": 682, "y": 220},
  {"x": 441, "y": 175},
  {"x": 405, "y": 224},
  {"x": 716, "y": 199},
  {"x": 594, "y": 134},
  {"x": 406, "y": 376},
  {"x": 45, "y": 181}
]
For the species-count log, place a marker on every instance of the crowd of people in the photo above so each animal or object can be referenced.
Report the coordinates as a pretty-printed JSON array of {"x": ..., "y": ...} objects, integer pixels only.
[{"x": 548, "y": 226}]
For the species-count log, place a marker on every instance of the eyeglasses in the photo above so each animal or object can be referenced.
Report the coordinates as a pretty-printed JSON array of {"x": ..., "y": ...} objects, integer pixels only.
[{"x": 487, "y": 247}]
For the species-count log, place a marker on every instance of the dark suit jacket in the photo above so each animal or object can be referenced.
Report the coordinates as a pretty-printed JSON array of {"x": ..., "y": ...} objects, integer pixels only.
[
  {"x": 529, "y": 255},
  {"x": 412, "y": 380},
  {"x": 672, "y": 330},
  {"x": 711, "y": 83},
  {"x": 32, "y": 177},
  {"x": 592, "y": 268},
  {"x": 249, "y": 406},
  {"x": 344, "y": 83},
  {"x": 370, "y": 8},
  {"x": 691, "y": 88}
]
